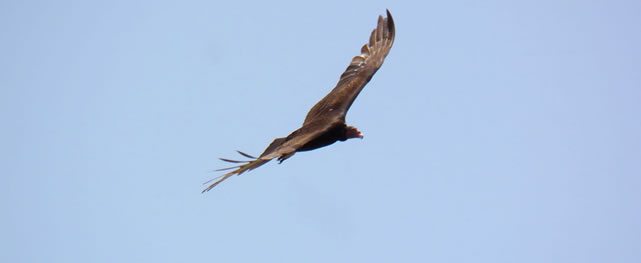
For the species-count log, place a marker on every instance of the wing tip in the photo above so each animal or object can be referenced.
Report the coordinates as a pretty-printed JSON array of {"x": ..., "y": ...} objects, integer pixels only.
[{"x": 390, "y": 23}]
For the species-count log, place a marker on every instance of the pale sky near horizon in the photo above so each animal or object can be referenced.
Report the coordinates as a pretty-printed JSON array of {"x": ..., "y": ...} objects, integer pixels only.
[{"x": 496, "y": 131}]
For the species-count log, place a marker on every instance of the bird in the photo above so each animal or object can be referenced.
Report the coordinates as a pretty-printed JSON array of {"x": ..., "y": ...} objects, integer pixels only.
[{"x": 325, "y": 122}]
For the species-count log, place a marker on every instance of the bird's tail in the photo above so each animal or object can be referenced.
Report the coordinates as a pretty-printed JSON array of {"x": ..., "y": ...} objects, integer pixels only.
[{"x": 244, "y": 167}]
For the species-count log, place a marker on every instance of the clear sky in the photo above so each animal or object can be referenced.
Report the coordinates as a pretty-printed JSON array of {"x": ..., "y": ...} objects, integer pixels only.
[{"x": 496, "y": 131}]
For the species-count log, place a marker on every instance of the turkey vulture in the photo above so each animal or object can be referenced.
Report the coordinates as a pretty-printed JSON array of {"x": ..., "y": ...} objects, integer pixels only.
[{"x": 325, "y": 122}]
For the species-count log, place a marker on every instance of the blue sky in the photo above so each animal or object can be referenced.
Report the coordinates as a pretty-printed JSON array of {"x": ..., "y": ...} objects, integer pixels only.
[{"x": 496, "y": 131}]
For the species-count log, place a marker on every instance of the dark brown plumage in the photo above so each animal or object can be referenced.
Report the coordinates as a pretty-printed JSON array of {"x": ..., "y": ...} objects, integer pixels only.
[{"x": 325, "y": 122}]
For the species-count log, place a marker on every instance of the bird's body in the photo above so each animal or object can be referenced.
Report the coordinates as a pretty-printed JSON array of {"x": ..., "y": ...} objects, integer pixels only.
[{"x": 325, "y": 122}]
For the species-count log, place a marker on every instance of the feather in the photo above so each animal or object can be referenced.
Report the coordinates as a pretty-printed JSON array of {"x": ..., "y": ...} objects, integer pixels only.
[
  {"x": 232, "y": 161},
  {"x": 246, "y": 155}
]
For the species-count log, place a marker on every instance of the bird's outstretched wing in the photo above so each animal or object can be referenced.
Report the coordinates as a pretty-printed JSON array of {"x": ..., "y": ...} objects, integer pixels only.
[
  {"x": 280, "y": 149},
  {"x": 359, "y": 72},
  {"x": 244, "y": 167}
]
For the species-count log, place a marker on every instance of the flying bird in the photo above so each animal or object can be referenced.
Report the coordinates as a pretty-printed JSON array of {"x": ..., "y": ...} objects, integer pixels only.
[{"x": 325, "y": 122}]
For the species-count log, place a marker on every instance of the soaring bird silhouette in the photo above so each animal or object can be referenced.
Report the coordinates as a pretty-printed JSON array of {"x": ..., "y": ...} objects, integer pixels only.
[{"x": 325, "y": 122}]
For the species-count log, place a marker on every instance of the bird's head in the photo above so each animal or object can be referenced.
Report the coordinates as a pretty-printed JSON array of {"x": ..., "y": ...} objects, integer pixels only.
[{"x": 352, "y": 132}]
